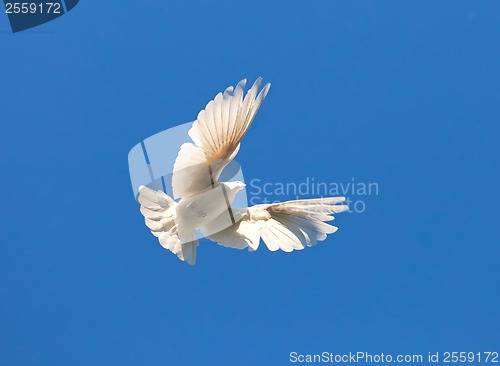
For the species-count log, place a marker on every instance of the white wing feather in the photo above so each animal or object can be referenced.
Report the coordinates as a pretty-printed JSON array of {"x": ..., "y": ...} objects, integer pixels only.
[
  {"x": 216, "y": 133},
  {"x": 159, "y": 211},
  {"x": 288, "y": 226}
]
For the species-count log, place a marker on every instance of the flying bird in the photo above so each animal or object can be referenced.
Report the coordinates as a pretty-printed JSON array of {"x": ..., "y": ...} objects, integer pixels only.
[{"x": 202, "y": 202}]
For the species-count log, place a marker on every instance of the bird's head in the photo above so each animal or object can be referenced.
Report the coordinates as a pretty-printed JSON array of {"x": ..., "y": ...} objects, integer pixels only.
[
  {"x": 232, "y": 188},
  {"x": 235, "y": 186}
]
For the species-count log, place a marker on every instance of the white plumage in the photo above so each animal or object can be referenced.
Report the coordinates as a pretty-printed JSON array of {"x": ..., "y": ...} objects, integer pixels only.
[{"x": 205, "y": 203}]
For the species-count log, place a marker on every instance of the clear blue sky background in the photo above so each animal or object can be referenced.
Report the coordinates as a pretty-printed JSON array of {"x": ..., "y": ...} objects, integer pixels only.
[{"x": 404, "y": 94}]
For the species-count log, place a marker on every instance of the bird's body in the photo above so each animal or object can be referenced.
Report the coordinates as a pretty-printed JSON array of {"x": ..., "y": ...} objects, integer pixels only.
[
  {"x": 199, "y": 210},
  {"x": 175, "y": 224},
  {"x": 206, "y": 204}
]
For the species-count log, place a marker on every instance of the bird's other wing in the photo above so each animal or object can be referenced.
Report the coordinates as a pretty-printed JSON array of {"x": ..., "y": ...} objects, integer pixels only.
[
  {"x": 216, "y": 133},
  {"x": 159, "y": 211},
  {"x": 288, "y": 226}
]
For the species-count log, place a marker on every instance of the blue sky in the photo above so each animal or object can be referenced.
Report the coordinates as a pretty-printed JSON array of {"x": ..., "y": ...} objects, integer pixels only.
[{"x": 404, "y": 94}]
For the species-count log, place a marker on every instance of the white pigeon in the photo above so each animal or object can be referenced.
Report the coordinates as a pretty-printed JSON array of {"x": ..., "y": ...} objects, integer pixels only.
[{"x": 205, "y": 203}]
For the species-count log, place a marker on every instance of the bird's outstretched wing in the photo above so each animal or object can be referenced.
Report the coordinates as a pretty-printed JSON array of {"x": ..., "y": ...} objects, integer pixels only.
[
  {"x": 159, "y": 211},
  {"x": 288, "y": 226},
  {"x": 216, "y": 134}
]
